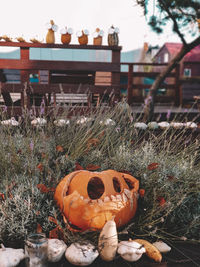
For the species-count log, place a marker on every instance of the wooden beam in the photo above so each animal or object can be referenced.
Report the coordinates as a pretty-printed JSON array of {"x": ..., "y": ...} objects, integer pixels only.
[
  {"x": 56, "y": 88},
  {"x": 130, "y": 84},
  {"x": 147, "y": 86},
  {"x": 147, "y": 74},
  {"x": 59, "y": 65},
  {"x": 61, "y": 46}
]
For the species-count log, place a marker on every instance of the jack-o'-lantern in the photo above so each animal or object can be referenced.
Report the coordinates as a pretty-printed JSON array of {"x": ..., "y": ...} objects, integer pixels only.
[
  {"x": 83, "y": 37},
  {"x": 113, "y": 38},
  {"x": 88, "y": 200}
]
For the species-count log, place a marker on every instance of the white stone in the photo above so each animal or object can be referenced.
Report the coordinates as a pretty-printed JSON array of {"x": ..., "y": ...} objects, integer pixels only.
[
  {"x": 191, "y": 125},
  {"x": 10, "y": 257},
  {"x": 162, "y": 247},
  {"x": 38, "y": 122},
  {"x": 61, "y": 122},
  {"x": 164, "y": 125},
  {"x": 10, "y": 122},
  {"x": 153, "y": 125},
  {"x": 130, "y": 250},
  {"x": 56, "y": 249},
  {"x": 140, "y": 125},
  {"x": 81, "y": 254}
]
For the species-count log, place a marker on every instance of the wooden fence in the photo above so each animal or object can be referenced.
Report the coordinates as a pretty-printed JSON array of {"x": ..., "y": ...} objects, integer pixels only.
[
  {"x": 85, "y": 83},
  {"x": 57, "y": 78}
]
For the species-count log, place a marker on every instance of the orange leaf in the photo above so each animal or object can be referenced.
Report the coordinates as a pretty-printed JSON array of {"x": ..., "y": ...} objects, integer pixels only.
[
  {"x": 53, "y": 220},
  {"x": 101, "y": 134},
  {"x": 142, "y": 192},
  {"x": 39, "y": 228},
  {"x": 51, "y": 189},
  {"x": 161, "y": 201},
  {"x": 91, "y": 167},
  {"x": 152, "y": 166},
  {"x": 37, "y": 212},
  {"x": 93, "y": 141},
  {"x": 170, "y": 177},
  {"x": 59, "y": 148},
  {"x": 45, "y": 189},
  {"x": 78, "y": 167},
  {"x": 40, "y": 167},
  {"x": 2, "y": 196},
  {"x": 42, "y": 188},
  {"x": 56, "y": 233}
]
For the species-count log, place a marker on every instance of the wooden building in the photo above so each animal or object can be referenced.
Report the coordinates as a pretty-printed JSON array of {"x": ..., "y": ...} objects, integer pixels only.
[{"x": 189, "y": 67}]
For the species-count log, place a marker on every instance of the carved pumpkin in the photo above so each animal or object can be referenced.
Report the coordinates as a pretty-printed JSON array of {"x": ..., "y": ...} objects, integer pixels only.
[
  {"x": 113, "y": 38},
  {"x": 89, "y": 199}
]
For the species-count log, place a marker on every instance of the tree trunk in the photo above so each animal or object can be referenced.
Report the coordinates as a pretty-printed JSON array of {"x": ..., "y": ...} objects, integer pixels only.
[{"x": 150, "y": 99}]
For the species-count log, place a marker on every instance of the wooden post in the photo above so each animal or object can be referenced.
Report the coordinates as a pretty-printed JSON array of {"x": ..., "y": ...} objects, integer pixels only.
[
  {"x": 178, "y": 88},
  {"x": 130, "y": 84},
  {"x": 115, "y": 78},
  {"x": 25, "y": 95}
]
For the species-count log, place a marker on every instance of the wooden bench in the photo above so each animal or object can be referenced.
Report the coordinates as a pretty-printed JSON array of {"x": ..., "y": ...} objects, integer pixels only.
[{"x": 72, "y": 99}]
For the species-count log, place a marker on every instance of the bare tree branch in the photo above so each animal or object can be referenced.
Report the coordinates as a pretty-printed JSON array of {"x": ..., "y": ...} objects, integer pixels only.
[{"x": 176, "y": 28}]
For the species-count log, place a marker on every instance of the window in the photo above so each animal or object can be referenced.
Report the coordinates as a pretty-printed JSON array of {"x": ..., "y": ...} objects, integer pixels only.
[
  {"x": 166, "y": 57},
  {"x": 187, "y": 72},
  {"x": 33, "y": 78}
]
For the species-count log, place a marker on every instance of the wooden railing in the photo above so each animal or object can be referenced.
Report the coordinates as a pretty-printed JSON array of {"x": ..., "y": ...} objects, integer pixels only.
[
  {"x": 56, "y": 76},
  {"x": 88, "y": 79},
  {"x": 137, "y": 88}
]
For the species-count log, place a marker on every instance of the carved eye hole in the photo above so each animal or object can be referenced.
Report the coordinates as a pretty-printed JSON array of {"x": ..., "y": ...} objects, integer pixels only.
[
  {"x": 95, "y": 188},
  {"x": 116, "y": 185},
  {"x": 129, "y": 183}
]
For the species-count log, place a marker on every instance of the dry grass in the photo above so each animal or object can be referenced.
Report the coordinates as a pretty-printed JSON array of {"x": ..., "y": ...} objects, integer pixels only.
[{"x": 166, "y": 162}]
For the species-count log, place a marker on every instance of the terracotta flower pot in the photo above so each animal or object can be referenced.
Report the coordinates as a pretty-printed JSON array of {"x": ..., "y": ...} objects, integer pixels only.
[{"x": 66, "y": 38}]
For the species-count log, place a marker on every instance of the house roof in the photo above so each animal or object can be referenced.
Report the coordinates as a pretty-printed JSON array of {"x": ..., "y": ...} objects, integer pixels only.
[
  {"x": 174, "y": 48},
  {"x": 193, "y": 55}
]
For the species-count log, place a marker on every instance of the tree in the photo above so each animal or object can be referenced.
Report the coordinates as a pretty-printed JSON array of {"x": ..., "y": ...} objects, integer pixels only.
[{"x": 181, "y": 14}]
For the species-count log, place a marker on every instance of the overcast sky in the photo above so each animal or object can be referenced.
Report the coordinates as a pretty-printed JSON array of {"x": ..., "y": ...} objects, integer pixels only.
[{"x": 28, "y": 18}]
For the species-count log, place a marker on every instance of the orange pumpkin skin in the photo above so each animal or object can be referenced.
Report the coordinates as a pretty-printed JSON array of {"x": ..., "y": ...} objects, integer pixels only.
[
  {"x": 66, "y": 38},
  {"x": 89, "y": 199}
]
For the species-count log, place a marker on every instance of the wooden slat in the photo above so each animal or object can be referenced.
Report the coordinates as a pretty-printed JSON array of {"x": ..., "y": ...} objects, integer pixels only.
[
  {"x": 147, "y": 74},
  {"x": 70, "y": 98},
  {"x": 60, "y": 65},
  {"x": 147, "y": 86},
  {"x": 161, "y": 99},
  {"x": 72, "y": 46},
  {"x": 56, "y": 88},
  {"x": 72, "y": 79}
]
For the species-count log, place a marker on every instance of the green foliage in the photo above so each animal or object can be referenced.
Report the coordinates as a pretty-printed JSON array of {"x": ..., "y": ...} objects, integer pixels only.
[{"x": 181, "y": 13}]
